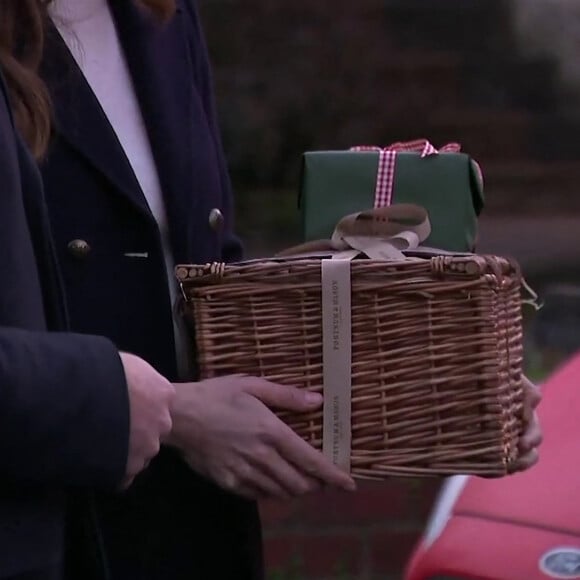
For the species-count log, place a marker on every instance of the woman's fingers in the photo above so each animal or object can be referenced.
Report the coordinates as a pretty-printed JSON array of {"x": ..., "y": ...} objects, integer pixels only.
[
  {"x": 253, "y": 481},
  {"x": 286, "y": 475},
  {"x": 311, "y": 462}
]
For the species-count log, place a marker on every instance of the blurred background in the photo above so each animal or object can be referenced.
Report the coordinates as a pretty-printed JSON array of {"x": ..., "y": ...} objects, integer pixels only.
[{"x": 500, "y": 77}]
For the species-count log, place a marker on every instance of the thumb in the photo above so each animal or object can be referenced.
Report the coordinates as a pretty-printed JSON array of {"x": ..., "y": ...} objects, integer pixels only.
[{"x": 281, "y": 396}]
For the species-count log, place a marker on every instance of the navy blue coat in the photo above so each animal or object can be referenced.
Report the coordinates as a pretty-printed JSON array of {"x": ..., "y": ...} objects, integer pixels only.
[
  {"x": 172, "y": 524},
  {"x": 64, "y": 415}
]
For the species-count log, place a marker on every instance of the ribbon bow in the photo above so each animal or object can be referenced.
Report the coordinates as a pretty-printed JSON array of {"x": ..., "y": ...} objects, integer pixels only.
[
  {"x": 384, "y": 233},
  {"x": 387, "y": 160}
]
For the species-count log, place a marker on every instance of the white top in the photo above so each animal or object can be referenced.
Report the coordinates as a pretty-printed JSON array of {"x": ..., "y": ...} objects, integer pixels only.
[{"x": 89, "y": 31}]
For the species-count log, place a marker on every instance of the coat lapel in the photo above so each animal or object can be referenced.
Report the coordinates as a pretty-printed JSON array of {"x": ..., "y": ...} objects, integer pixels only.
[
  {"x": 80, "y": 120},
  {"x": 159, "y": 61}
]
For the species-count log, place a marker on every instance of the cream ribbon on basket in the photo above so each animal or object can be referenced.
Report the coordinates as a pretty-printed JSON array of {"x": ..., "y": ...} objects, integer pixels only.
[
  {"x": 380, "y": 234},
  {"x": 383, "y": 233}
]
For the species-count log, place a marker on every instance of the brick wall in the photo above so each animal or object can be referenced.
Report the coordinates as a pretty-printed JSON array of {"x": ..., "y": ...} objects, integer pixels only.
[
  {"x": 289, "y": 76},
  {"x": 293, "y": 75},
  {"x": 333, "y": 535}
]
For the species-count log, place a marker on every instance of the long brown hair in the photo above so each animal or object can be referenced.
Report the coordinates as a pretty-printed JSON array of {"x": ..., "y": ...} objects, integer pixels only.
[{"x": 22, "y": 28}]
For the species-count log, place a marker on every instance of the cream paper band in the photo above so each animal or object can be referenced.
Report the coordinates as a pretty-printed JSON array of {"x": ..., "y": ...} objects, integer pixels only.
[{"x": 336, "y": 357}]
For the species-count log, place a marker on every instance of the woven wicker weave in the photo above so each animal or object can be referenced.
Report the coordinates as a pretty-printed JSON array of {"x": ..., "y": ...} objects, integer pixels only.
[{"x": 436, "y": 353}]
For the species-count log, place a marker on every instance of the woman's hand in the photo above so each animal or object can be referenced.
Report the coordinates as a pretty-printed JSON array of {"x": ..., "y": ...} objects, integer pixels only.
[
  {"x": 227, "y": 433},
  {"x": 532, "y": 438}
]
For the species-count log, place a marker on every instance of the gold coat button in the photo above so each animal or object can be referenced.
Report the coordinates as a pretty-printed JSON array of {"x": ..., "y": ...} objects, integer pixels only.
[
  {"x": 79, "y": 248},
  {"x": 216, "y": 219}
]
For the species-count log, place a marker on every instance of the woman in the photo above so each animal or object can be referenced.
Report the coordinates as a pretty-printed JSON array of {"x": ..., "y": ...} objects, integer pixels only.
[
  {"x": 73, "y": 411},
  {"x": 136, "y": 181}
]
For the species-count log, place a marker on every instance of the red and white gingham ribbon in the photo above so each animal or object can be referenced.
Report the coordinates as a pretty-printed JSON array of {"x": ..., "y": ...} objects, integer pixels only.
[{"x": 387, "y": 160}]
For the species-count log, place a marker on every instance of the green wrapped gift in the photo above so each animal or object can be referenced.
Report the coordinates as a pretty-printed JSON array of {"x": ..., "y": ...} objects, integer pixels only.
[{"x": 447, "y": 183}]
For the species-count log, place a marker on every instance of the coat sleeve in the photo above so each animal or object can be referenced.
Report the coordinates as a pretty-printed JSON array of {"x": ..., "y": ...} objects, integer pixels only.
[
  {"x": 231, "y": 247},
  {"x": 64, "y": 410}
]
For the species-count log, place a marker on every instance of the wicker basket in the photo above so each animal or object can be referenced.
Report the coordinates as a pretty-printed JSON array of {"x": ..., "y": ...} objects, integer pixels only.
[{"x": 436, "y": 353}]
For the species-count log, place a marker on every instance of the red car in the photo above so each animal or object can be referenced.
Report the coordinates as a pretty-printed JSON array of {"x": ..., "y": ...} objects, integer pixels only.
[{"x": 523, "y": 527}]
